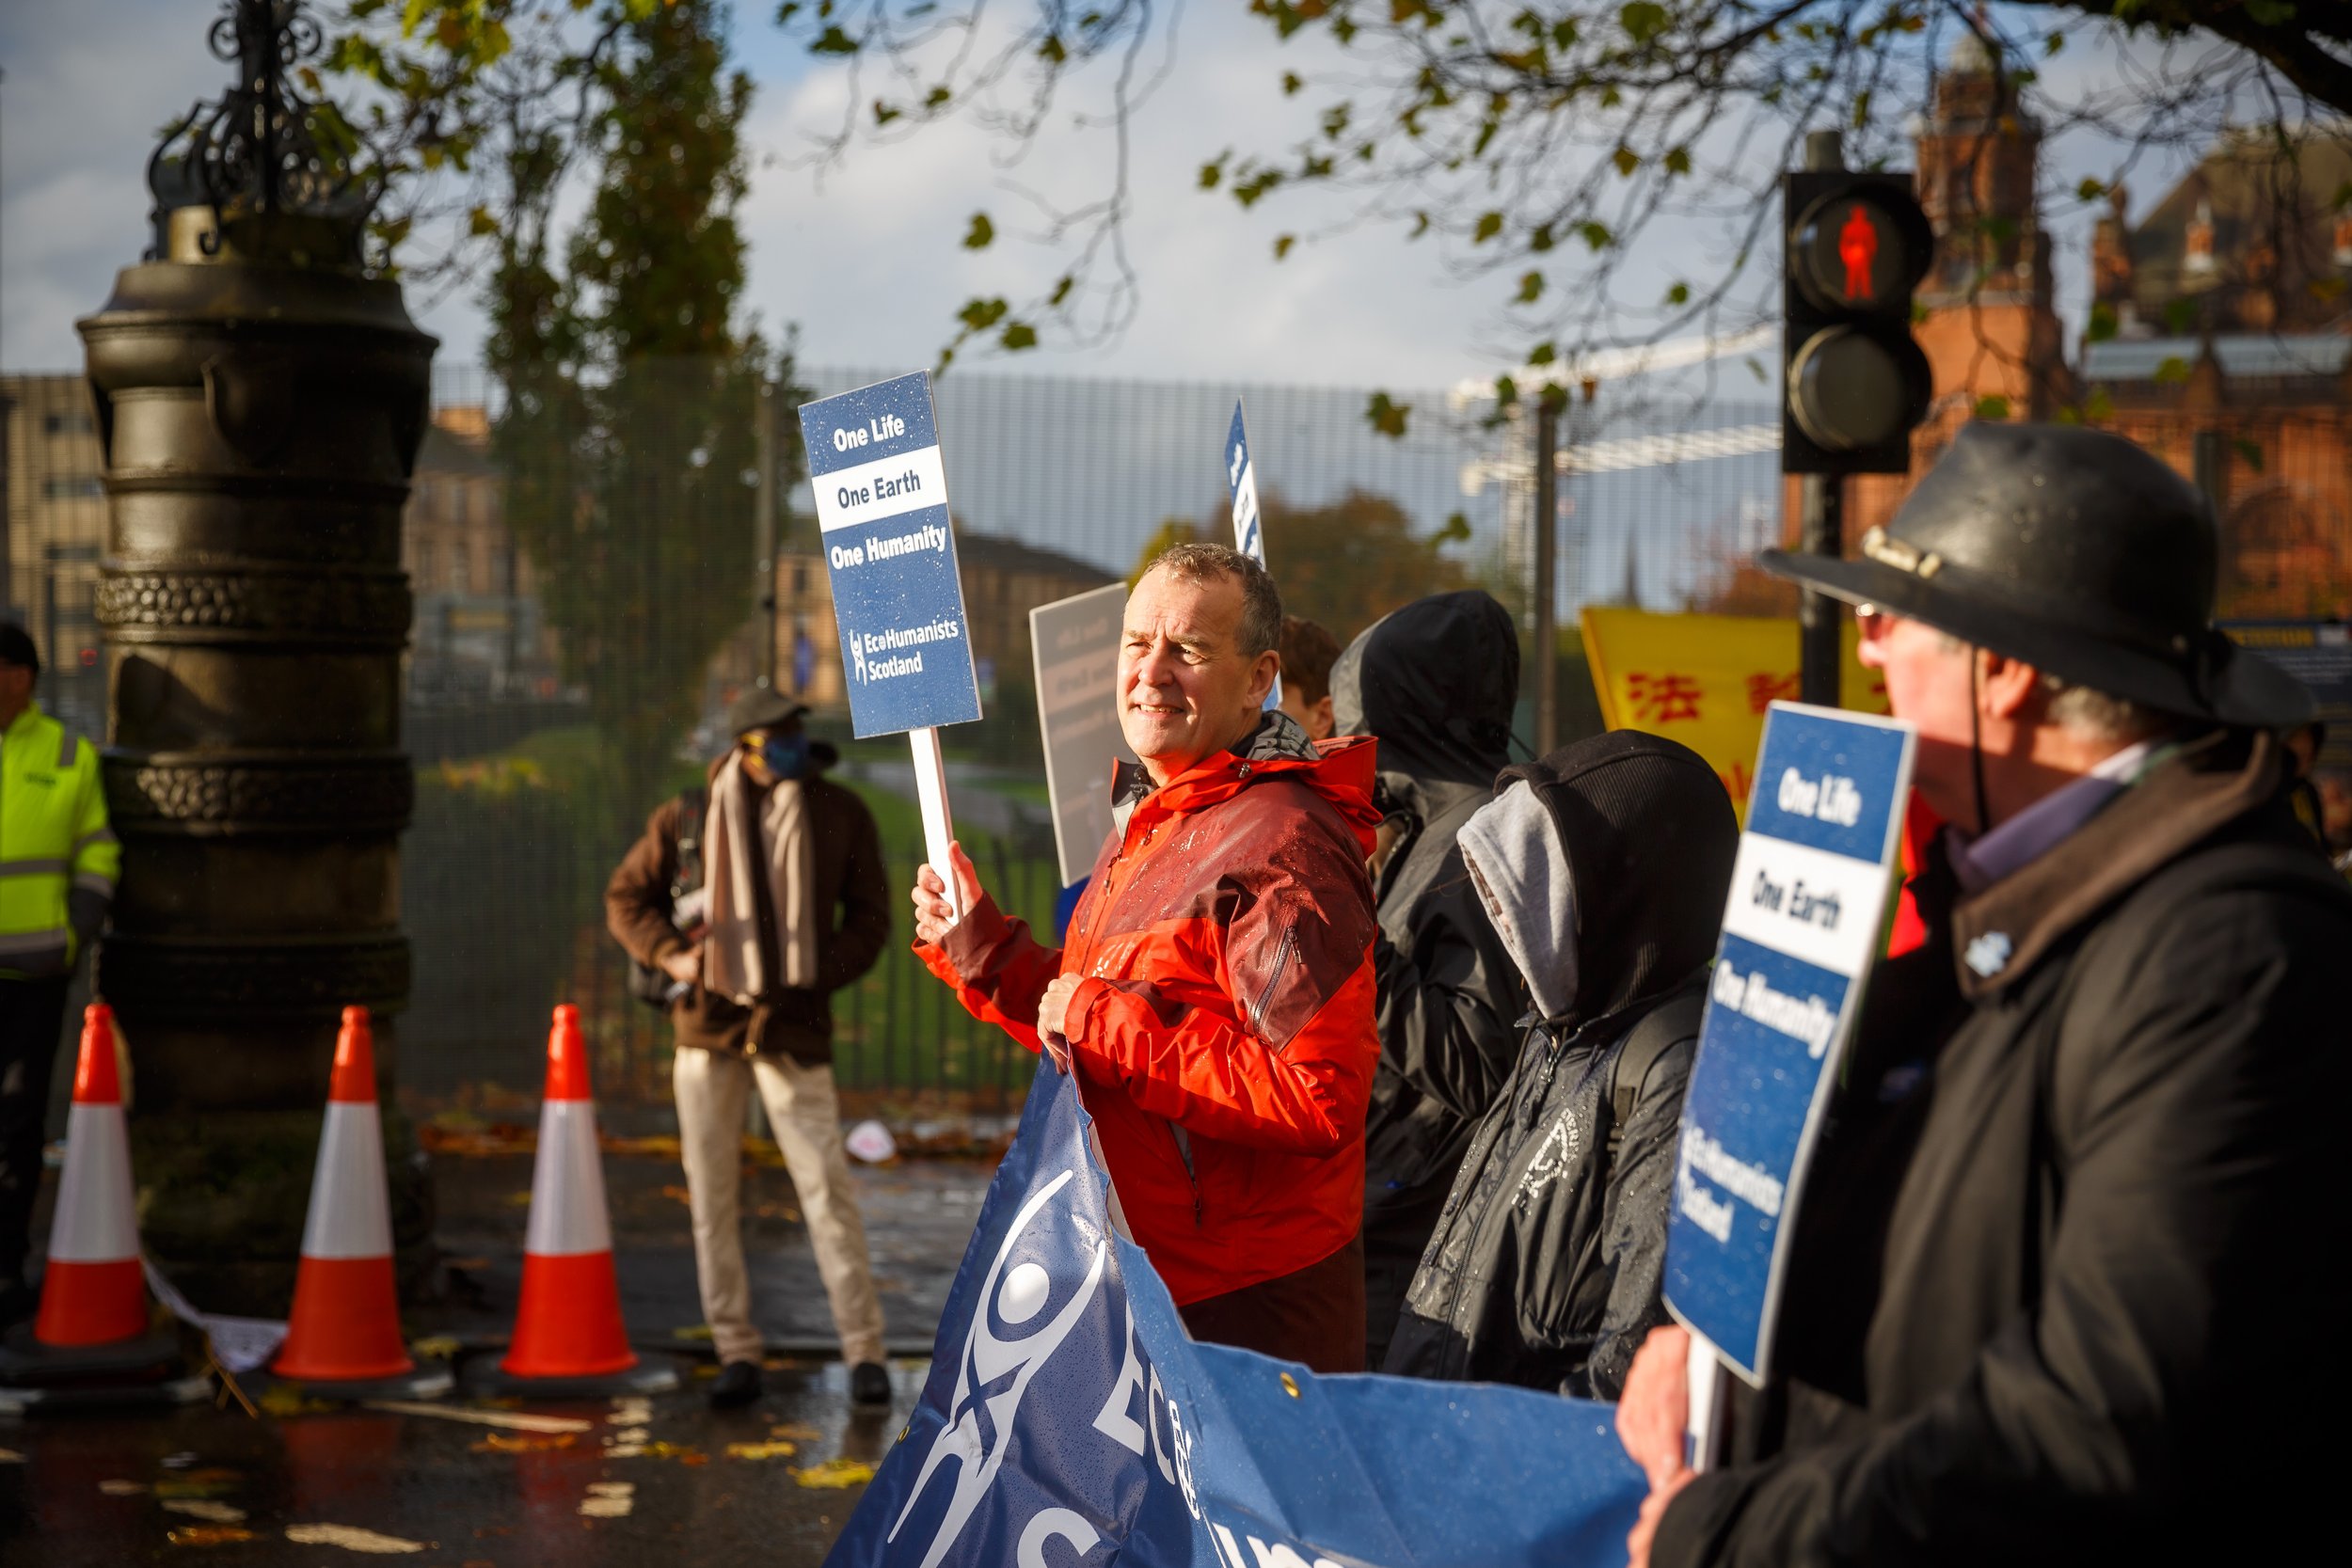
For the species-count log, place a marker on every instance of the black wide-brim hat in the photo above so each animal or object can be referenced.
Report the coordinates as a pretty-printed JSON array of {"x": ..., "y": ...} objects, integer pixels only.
[
  {"x": 2075, "y": 551},
  {"x": 762, "y": 708}
]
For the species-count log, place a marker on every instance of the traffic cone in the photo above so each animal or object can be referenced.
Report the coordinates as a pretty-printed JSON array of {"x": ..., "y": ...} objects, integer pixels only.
[
  {"x": 94, "y": 1293},
  {"x": 344, "y": 1328},
  {"x": 92, "y": 1340},
  {"x": 569, "y": 1334}
]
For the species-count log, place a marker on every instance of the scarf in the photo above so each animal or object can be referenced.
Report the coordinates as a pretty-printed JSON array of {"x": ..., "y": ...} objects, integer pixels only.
[{"x": 735, "y": 961}]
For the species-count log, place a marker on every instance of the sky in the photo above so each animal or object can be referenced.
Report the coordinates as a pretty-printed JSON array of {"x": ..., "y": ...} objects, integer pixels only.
[{"x": 863, "y": 259}]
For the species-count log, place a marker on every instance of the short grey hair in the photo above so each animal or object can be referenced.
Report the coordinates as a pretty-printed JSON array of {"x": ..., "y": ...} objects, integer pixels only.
[
  {"x": 2085, "y": 711},
  {"x": 1261, "y": 629},
  {"x": 2101, "y": 716}
]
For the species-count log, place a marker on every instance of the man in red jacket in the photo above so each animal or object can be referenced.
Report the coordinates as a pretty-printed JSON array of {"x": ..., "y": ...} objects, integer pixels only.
[{"x": 1215, "y": 997}]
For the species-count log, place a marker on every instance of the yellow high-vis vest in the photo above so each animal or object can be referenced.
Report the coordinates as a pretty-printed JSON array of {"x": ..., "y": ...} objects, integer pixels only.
[{"x": 54, "y": 838}]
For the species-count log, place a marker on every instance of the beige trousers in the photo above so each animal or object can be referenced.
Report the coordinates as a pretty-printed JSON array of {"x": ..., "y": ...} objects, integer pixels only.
[{"x": 712, "y": 1087}]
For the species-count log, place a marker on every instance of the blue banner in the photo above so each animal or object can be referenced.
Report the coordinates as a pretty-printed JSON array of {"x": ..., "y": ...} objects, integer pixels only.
[
  {"x": 1801, "y": 927},
  {"x": 1069, "y": 1419},
  {"x": 881, "y": 490}
]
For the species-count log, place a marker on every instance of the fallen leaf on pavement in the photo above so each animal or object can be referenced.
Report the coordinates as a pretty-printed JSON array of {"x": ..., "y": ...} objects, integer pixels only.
[
  {"x": 514, "y": 1421},
  {"x": 835, "y": 1474},
  {"x": 700, "y": 1331},
  {"x": 663, "y": 1143},
  {"x": 285, "y": 1399},
  {"x": 801, "y": 1430},
  {"x": 207, "y": 1535},
  {"x": 198, "y": 1483},
  {"x": 122, "y": 1488},
  {"x": 204, "y": 1508},
  {"x": 9, "y": 1456},
  {"x": 351, "y": 1538},
  {"x": 762, "y": 1451},
  {"x": 438, "y": 1347}
]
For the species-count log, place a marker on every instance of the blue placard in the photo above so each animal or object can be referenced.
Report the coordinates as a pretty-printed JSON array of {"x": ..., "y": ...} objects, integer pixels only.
[
  {"x": 881, "y": 507},
  {"x": 1801, "y": 930}
]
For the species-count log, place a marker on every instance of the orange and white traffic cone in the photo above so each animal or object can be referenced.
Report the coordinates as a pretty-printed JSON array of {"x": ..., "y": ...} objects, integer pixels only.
[
  {"x": 94, "y": 1292},
  {"x": 92, "y": 1336},
  {"x": 568, "y": 1334},
  {"x": 344, "y": 1328}
]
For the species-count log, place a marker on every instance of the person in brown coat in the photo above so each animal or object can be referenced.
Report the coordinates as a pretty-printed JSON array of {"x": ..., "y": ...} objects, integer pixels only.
[{"x": 782, "y": 902}]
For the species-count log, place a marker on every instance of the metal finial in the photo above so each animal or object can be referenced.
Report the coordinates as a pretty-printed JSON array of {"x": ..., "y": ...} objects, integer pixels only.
[{"x": 261, "y": 149}]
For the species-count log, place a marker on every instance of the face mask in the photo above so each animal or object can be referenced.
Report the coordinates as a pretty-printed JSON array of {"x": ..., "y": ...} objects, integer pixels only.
[{"x": 786, "y": 756}]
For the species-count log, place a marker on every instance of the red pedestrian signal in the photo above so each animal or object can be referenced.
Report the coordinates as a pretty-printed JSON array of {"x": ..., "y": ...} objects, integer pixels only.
[
  {"x": 1858, "y": 243},
  {"x": 1854, "y": 382}
]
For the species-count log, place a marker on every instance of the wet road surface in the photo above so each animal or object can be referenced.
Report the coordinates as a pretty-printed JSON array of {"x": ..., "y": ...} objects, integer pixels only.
[{"x": 667, "y": 1481}]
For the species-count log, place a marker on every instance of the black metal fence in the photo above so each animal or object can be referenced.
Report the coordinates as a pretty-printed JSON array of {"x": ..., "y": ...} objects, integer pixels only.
[{"x": 585, "y": 567}]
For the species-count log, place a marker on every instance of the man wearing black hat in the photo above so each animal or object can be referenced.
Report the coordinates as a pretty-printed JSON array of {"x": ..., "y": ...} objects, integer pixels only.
[
  {"x": 759, "y": 897},
  {"x": 2063, "y": 1276}
]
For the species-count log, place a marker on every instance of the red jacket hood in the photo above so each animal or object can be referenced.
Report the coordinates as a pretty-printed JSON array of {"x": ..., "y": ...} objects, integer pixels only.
[{"x": 1342, "y": 773}]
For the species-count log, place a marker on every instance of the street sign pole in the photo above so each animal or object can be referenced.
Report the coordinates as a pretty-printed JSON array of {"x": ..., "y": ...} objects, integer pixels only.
[
  {"x": 1547, "y": 584},
  {"x": 1822, "y": 532},
  {"x": 1821, "y": 529},
  {"x": 765, "y": 414}
]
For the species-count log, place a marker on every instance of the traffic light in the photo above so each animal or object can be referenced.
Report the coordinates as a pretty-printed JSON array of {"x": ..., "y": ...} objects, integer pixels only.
[{"x": 1854, "y": 383}]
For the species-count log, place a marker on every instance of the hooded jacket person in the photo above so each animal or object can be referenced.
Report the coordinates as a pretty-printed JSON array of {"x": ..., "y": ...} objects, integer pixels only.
[
  {"x": 1436, "y": 682},
  {"x": 2072, "y": 1248},
  {"x": 1604, "y": 867}
]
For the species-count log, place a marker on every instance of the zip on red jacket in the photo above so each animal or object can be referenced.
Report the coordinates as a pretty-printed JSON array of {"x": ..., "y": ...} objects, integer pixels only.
[{"x": 1223, "y": 1038}]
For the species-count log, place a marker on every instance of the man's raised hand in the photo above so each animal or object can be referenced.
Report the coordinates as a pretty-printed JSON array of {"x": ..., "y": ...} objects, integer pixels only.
[{"x": 933, "y": 918}]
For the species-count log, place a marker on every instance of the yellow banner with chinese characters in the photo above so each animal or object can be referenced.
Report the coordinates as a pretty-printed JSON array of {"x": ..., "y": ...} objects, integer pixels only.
[{"x": 1705, "y": 680}]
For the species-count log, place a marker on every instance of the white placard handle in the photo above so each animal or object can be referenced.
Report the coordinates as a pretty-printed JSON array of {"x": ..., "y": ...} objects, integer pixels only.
[
  {"x": 939, "y": 827},
  {"x": 1709, "y": 1380}
]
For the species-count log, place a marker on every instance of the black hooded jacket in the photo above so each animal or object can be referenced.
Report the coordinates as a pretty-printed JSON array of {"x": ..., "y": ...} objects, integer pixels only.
[
  {"x": 1545, "y": 1267},
  {"x": 1436, "y": 681}
]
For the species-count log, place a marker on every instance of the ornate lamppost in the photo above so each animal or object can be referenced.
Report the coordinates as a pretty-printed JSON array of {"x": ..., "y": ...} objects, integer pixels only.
[{"x": 259, "y": 399}]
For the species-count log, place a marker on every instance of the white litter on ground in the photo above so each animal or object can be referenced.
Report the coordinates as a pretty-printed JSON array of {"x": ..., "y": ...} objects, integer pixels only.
[
  {"x": 608, "y": 1499},
  {"x": 351, "y": 1538},
  {"x": 507, "y": 1418}
]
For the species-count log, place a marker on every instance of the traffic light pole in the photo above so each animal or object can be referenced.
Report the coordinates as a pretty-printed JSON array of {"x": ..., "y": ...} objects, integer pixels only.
[
  {"x": 1547, "y": 574},
  {"x": 1820, "y": 621}
]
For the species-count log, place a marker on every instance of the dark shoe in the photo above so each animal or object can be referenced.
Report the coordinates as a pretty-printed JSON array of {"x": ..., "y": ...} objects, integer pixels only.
[
  {"x": 18, "y": 1302},
  {"x": 869, "y": 1385},
  {"x": 738, "y": 1386}
]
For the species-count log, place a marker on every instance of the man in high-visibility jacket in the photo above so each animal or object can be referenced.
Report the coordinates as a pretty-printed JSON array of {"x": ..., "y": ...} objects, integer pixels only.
[{"x": 59, "y": 862}]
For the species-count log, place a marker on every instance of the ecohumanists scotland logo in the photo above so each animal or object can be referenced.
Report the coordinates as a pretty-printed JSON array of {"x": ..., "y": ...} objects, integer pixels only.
[{"x": 996, "y": 1371}]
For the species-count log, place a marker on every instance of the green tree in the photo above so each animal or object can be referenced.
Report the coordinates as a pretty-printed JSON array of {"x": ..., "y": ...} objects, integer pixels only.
[
  {"x": 629, "y": 431},
  {"x": 1343, "y": 565}
]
